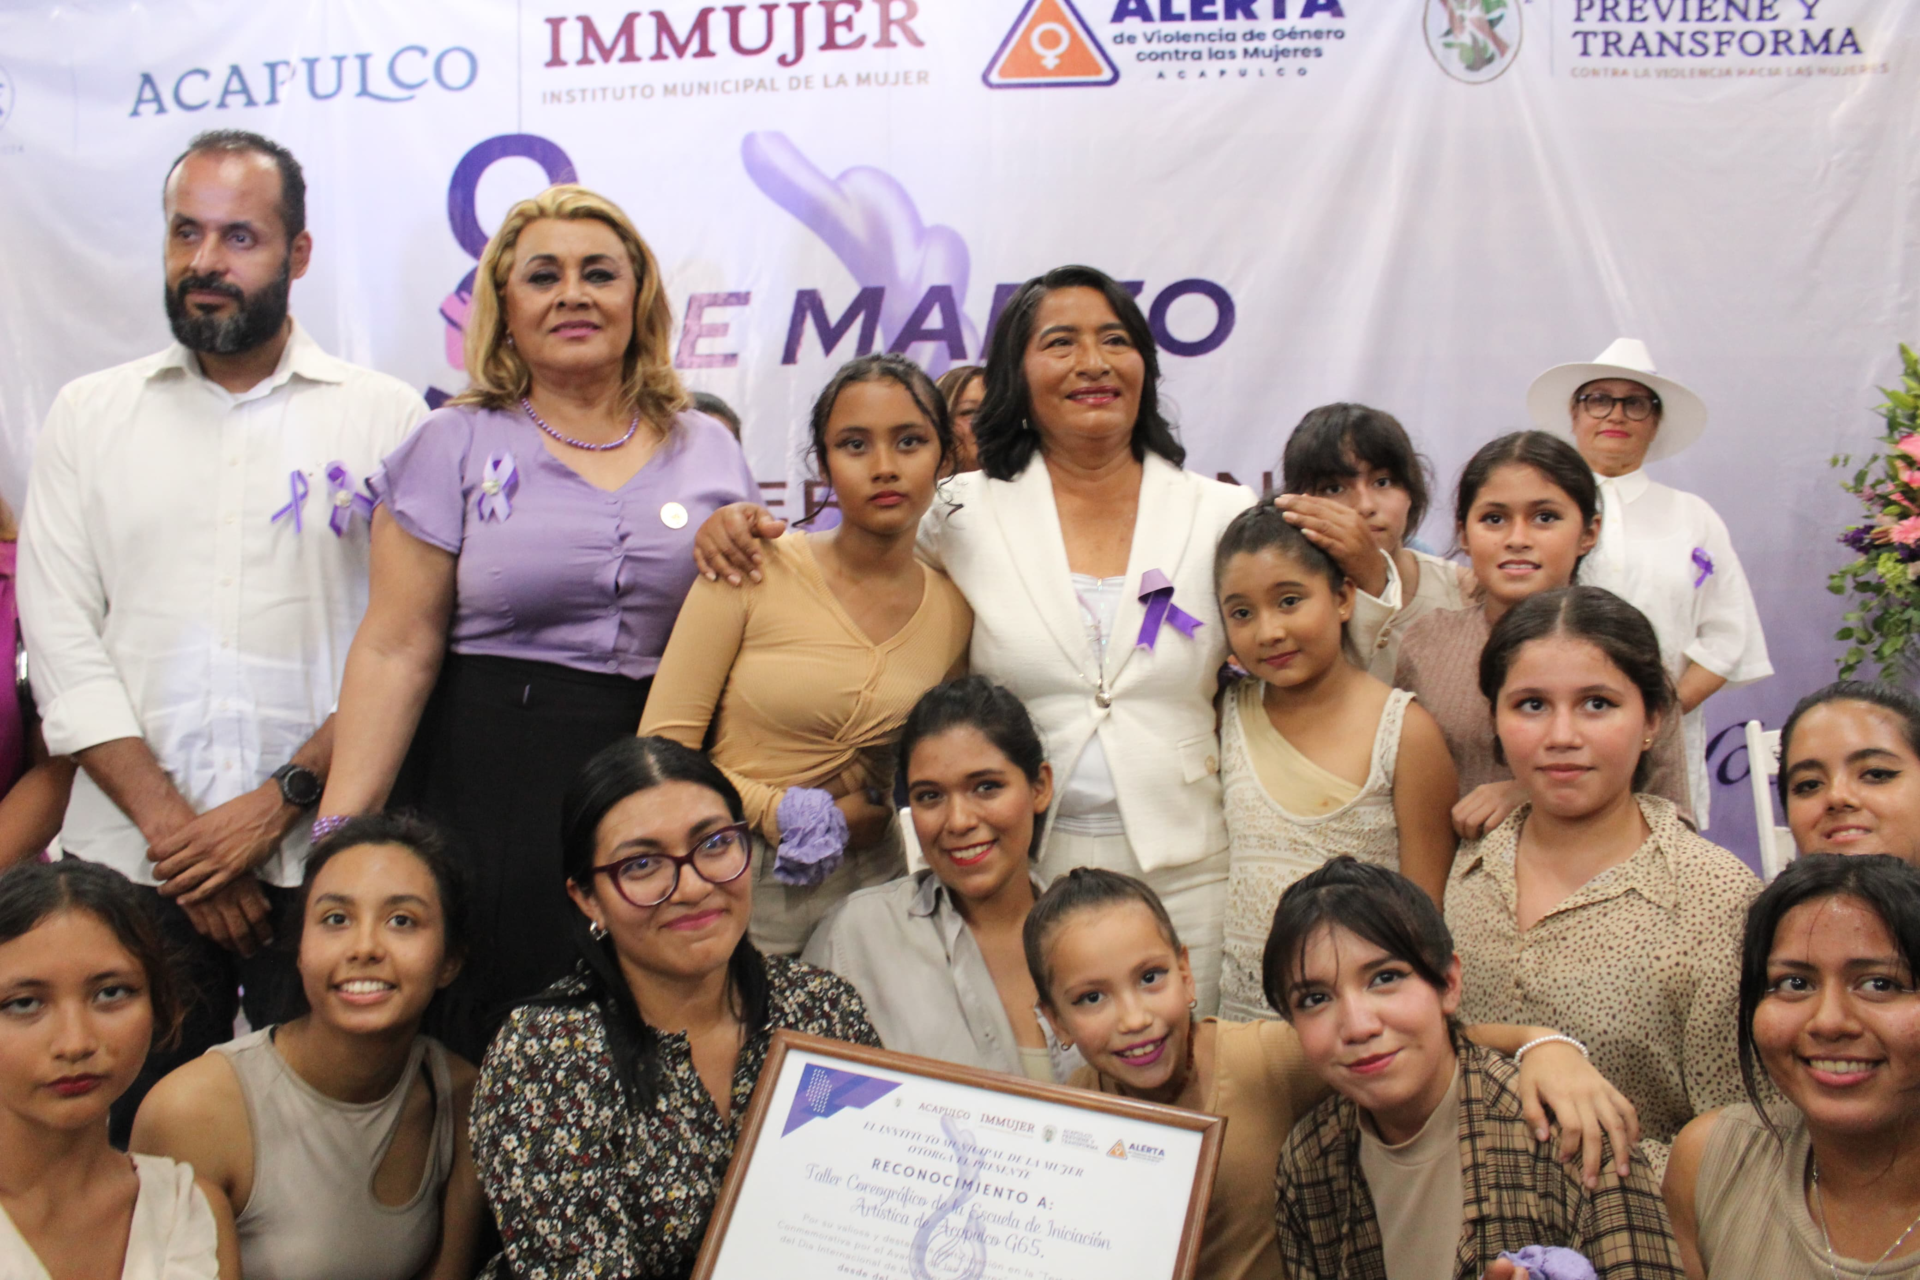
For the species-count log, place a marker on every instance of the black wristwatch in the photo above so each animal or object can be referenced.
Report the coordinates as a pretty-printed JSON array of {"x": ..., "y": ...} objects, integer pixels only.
[{"x": 299, "y": 785}]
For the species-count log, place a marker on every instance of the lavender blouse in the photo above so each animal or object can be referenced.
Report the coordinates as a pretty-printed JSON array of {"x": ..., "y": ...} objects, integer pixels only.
[{"x": 550, "y": 568}]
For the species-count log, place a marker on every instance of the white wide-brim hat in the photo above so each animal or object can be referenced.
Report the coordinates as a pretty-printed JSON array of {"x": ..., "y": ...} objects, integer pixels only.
[{"x": 1683, "y": 415}]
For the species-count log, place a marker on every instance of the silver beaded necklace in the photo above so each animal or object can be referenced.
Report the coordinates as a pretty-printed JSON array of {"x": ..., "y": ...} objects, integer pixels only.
[
  {"x": 1827, "y": 1240},
  {"x": 541, "y": 423}
]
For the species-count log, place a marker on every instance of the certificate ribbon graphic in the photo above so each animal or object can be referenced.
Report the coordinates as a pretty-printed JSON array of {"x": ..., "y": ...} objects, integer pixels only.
[{"x": 952, "y": 1251}]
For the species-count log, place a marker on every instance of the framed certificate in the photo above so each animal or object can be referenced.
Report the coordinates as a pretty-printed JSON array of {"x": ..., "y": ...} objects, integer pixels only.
[{"x": 857, "y": 1162}]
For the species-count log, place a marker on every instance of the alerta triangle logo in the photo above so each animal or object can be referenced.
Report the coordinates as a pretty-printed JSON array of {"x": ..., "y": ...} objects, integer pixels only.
[{"x": 1050, "y": 46}]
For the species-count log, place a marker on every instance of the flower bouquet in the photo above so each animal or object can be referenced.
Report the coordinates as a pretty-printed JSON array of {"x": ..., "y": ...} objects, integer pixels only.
[{"x": 1884, "y": 576}]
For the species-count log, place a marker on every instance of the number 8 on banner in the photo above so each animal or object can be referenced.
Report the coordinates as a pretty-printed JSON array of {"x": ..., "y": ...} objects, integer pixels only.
[{"x": 1049, "y": 46}]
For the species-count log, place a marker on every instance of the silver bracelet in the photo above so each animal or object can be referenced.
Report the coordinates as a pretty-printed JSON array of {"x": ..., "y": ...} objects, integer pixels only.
[{"x": 1521, "y": 1052}]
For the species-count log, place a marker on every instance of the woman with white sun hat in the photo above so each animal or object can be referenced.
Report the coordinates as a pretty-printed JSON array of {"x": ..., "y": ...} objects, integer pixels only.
[{"x": 1664, "y": 550}]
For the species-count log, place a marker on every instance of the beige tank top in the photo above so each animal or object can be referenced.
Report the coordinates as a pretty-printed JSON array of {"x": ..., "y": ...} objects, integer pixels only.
[
  {"x": 1751, "y": 1202},
  {"x": 312, "y": 1214},
  {"x": 1271, "y": 845}
]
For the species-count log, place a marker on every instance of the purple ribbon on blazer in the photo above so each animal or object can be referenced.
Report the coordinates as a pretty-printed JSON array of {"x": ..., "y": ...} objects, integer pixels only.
[
  {"x": 497, "y": 486},
  {"x": 297, "y": 486},
  {"x": 1704, "y": 563},
  {"x": 344, "y": 500},
  {"x": 1157, "y": 593}
]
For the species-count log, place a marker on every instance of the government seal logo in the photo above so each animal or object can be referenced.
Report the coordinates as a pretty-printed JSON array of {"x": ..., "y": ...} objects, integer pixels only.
[{"x": 1472, "y": 40}]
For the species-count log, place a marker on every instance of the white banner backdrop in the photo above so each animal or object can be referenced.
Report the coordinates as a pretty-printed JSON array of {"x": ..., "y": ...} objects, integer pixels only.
[{"x": 1418, "y": 205}]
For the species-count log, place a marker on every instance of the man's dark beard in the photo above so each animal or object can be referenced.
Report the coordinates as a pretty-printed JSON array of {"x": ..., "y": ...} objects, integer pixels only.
[{"x": 256, "y": 318}]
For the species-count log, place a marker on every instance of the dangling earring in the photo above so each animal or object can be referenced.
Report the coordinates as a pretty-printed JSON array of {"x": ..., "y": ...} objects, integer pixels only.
[{"x": 598, "y": 930}]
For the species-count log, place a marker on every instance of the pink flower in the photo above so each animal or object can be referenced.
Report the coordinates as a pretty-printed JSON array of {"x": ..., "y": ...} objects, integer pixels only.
[
  {"x": 1910, "y": 478},
  {"x": 1909, "y": 445},
  {"x": 1907, "y": 532}
]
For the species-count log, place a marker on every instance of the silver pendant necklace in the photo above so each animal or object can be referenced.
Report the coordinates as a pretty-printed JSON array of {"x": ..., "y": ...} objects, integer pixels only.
[{"x": 1827, "y": 1240}]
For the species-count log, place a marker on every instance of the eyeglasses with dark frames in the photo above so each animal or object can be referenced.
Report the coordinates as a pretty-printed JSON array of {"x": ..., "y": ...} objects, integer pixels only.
[
  {"x": 1599, "y": 404},
  {"x": 649, "y": 879}
]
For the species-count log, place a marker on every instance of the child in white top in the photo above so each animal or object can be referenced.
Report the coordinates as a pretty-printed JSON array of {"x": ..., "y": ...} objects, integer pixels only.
[{"x": 1317, "y": 757}]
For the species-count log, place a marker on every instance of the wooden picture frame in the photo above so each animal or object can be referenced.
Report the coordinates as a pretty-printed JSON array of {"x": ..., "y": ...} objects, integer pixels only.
[{"x": 789, "y": 1047}]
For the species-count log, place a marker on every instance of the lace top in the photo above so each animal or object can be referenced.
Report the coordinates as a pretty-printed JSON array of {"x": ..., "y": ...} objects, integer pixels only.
[{"x": 1271, "y": 847}]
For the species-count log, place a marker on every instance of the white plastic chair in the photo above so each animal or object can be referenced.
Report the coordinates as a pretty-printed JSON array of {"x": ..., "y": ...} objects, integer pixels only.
[{"x": 1763, "y": 766}]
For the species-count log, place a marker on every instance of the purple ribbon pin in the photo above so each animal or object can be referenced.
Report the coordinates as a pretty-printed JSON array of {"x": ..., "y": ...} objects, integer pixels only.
[
  {"x": 1157, "y": 593},
  {"x": 345, "y": 501},
  {"x": 297, "y": 486},
  {"x": 497, "y": 486},
  {"x": 1703, "y": 562}
]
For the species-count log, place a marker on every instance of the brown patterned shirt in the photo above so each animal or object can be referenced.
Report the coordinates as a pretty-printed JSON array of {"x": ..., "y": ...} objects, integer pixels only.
[
  {"x": 580, "y": 1184},
  {"x": 1515, "y": 1193},
  {"x": 1641, "y": 964}
]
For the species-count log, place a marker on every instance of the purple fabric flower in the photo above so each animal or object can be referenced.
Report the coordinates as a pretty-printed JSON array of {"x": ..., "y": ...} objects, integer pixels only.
[
  {"x": 1550, "y": 1262},
  {"x": 1859, "y": 538},
  {"x": 813, "y": 837}
]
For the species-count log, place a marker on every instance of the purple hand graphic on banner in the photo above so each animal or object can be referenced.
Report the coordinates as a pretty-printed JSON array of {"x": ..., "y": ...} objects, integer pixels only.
[
  {"x": 870, "y": 222},
  {"x": 826, "y": 1091}
]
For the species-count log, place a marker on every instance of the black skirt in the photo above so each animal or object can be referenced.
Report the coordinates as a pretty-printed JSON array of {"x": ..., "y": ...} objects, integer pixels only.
[{"x": 498, "y": 745}]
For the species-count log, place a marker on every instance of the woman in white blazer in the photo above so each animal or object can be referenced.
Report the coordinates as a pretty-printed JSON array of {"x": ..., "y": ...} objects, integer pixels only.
[{"x": 1066, "y": 543}]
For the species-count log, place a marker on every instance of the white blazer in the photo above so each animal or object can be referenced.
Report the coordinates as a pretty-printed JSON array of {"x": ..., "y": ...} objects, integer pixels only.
[{"x": 1000, "y": 542}]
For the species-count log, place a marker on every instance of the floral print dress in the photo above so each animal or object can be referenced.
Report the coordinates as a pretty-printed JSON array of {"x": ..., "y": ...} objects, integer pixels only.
[{"x": 580, "y": 1184}]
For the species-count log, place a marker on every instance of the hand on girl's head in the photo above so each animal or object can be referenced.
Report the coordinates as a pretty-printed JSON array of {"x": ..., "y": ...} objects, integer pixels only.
[{"x": 76, "y": 1020}]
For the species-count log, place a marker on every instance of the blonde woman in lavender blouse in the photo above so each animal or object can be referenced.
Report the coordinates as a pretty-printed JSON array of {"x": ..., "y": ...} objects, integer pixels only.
[{"x": 531, "y": 549}]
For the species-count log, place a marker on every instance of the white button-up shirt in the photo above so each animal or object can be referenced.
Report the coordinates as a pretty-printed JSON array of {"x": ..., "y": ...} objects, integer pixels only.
[
  {"x": 1668, "y": 554},
  {"x": 162, "y": 599}
]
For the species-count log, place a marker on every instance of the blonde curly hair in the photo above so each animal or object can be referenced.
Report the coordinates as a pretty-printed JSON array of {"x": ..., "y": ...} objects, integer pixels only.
[{"x": 498, "y": 377}]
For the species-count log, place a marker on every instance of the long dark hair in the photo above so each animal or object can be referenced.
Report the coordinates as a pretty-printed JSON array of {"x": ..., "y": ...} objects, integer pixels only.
[
  {"x": 33, "y": 891},
  {"x": 1884, "y": 884},
  {"x": 1603, "y": 620},
  {"x": 1372, "y": 903},
  {"x": 1328, "y": 442},
  {"x": 1000, "y": 426},
  {"x": 1551, "y": 456},
  {"x": 628, "y": 767},
  {"x": 1903, "y": 706},
  {"x": 1264, "y": 525},
  {"x": 881, "y": 366},
  {"x": 978, "y": 703}
]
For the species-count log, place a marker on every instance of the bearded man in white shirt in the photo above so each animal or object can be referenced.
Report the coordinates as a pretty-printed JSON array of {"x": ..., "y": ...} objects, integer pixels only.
[{"x": 193, "y": 565}]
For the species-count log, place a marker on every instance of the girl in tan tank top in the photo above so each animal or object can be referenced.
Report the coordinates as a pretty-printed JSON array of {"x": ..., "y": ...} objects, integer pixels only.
[
  {"x": 1317, "y": 757},
  {"x": 1827, "y": 1184},
  {"x": 340, "y": 1138}
]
